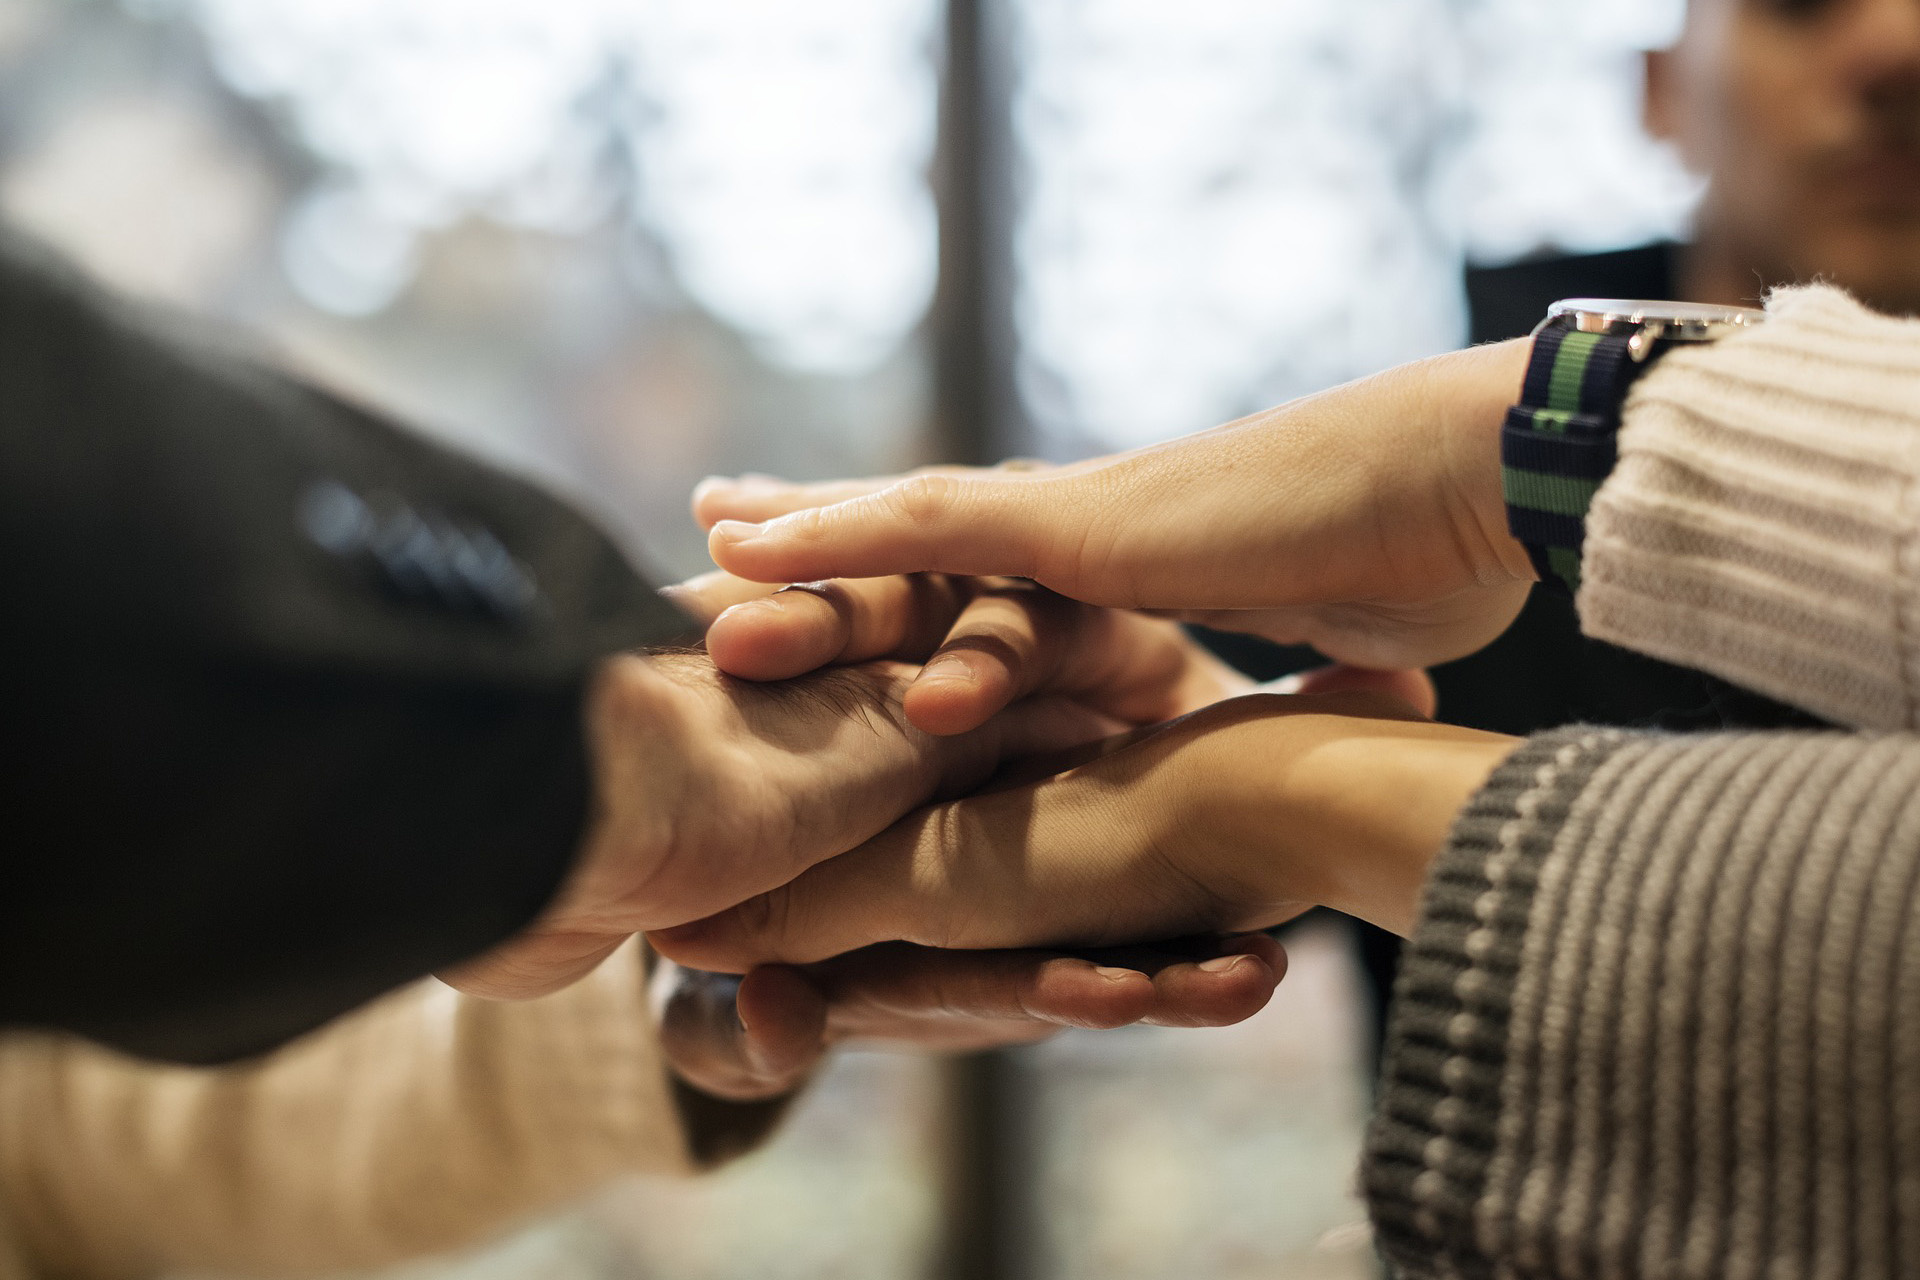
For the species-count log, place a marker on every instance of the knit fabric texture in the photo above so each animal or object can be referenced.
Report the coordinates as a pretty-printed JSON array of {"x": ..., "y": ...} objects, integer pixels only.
[
  {"x": 427, "y": 1121},
  {"x": 1761, "y": 523},
  {"x": 1649, "y": 1024}
]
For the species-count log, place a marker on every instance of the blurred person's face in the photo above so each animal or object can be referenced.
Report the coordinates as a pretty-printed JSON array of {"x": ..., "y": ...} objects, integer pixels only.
[{"x": 1804, "y": 116}]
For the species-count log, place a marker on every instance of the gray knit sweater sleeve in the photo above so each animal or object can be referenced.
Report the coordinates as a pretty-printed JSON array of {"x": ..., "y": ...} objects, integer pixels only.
[{"x": 1649, "y": 1024}]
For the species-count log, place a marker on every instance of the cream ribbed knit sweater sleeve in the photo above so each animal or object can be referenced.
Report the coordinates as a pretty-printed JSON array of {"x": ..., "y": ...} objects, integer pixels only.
[
  {"x": 427, "y": 1121},
  {"x": 1763, "y": 522}
]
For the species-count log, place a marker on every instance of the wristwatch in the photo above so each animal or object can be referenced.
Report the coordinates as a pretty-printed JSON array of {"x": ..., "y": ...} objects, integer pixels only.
[{"x": 1558, "y": 442}]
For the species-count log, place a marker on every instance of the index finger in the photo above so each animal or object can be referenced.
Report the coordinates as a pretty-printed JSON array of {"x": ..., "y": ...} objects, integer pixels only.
[
  {"x": 810, "y": 625},
  {"x": 1011, "y": 524},
  {"x": 756, "y": 497},
  {"x": 708, "y": 595}
]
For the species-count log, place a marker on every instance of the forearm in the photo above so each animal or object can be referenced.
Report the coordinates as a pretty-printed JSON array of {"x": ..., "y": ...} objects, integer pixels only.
[
  {"x": 1655, "y": 995},
  {"x": 1382, "y": 837},
  {"x": 1340, "y": 801}
]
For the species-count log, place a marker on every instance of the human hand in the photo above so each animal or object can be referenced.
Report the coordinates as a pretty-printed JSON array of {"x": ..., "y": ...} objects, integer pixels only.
[
  {"x": 985, "y": 643},
  {"x": 1237, "y": 817},
  {"x": 1366, "y": 521},
  {"x": 760, "y": 1036},
  {"x": 709, "y": 790}
]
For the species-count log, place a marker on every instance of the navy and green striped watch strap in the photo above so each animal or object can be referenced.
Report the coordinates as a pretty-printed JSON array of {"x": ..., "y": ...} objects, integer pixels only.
[{"x": 1558, "y": 442}]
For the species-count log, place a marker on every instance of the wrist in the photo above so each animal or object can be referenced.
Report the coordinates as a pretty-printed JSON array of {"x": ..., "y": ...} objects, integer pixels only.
[
  {"x": 1477, "y": 386},
  {"x": 1340, "y": 801},
  {"x": 1390, "y": 806}
]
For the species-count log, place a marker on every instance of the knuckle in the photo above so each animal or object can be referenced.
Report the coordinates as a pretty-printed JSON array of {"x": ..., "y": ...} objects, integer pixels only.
[
  {"x": 924, "y": 500},
  {"x": 830, "y": 591},
  {"x": 759, "y": 919},
  {"x": 808, "y": 524}
]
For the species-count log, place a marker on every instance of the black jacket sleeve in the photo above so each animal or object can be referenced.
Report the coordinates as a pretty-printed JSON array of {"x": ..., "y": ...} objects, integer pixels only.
[{"x": 291, "y": 698}]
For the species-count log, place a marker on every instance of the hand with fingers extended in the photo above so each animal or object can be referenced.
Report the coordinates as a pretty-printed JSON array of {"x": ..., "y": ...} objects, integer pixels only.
[
  {"x": 760, "y": 1036},
  {"x": 1366, "y": 521},
  {"x": 1236, "y": 817}
]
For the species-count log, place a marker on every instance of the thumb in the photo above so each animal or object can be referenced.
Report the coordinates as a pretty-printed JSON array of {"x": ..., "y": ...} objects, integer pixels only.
[
  {"x": 742, "y": 1039},
  {"x": 1014, "y": 524}
]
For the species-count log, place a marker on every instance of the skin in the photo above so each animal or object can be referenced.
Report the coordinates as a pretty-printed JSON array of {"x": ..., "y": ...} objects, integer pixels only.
[
  {"x": 985, "y": 644},
  {"x": 1366, "y": 521},
  {"x": 709, "y": 783},
  {"x": 709, "y": 790},
  {"x": 1804, "y": 117},
  {"x": 1239, "y": 816},
  {"x": 761, "y": 1036}
]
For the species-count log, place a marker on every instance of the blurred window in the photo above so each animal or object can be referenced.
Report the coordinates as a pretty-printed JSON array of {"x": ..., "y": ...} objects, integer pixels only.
[
  {"x": 1233, "y": 203},
  {"x": 774, "y": 151}
]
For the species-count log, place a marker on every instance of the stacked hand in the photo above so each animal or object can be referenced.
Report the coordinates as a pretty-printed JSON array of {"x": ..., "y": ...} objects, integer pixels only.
[
  {"x": 761, "y": 1036},
  {"x": 713, "y": 789},
  {"x": 1236, "y": 817},
  {"x": 748, "y": 809},
  {"x": 1367, "y": 522}
]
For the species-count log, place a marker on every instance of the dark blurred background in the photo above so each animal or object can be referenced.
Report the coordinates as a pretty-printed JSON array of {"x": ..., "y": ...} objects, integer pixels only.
[{"x": 622, "y": 244}]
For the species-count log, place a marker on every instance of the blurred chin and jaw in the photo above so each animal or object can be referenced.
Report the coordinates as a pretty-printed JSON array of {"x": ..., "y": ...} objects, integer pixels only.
[{"x": 1803, "y": 116}]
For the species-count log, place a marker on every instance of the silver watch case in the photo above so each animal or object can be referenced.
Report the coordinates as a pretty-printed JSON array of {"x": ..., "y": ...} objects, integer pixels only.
[{"x": 1651, "y": 323}]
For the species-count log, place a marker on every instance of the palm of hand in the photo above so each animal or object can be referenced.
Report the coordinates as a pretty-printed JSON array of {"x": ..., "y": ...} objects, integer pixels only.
[{"x": 1378, "y": 635}]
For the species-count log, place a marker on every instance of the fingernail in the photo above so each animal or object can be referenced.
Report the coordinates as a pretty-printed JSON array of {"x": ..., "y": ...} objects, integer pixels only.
[
  {"x": 947, "y": 666},
  {"x": 1221, "y": 964},
  {"x": 1112, "y": 974},
  {"x": 736, "y": 531}
]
